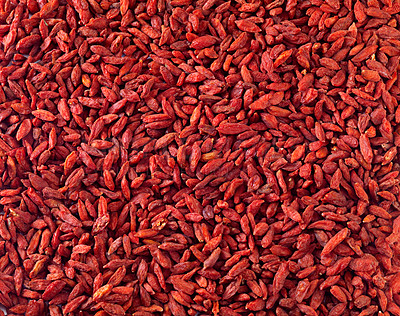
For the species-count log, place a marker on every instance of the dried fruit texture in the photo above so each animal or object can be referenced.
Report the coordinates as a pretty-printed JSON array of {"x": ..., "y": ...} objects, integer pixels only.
[{"x": 199, "y": 157}]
